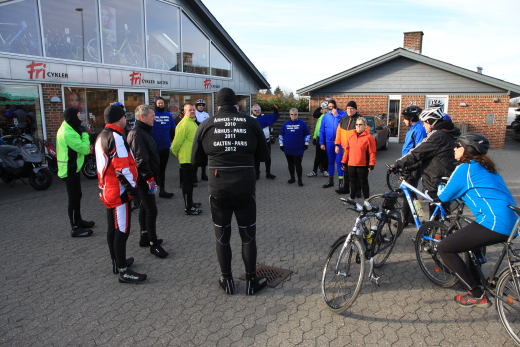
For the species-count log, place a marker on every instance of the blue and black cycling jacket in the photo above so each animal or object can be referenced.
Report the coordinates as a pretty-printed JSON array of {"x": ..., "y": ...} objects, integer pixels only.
[
  {"x": 329, "y": 125},
  {"x": 414, "y": 136}
]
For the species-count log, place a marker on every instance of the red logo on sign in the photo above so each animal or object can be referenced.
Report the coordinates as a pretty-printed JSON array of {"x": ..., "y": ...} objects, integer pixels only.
[
  {"x": 135, "y": 78},
  {"x": 207, "y": 83},
  {"x": 33, "y": 69}
]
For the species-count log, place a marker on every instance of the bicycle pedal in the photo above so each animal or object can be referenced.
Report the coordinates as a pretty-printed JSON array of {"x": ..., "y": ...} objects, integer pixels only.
[{"x": 358, "y": 259}]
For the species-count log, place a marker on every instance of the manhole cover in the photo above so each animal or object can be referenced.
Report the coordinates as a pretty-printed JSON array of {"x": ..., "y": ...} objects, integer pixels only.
[{"x": 274, "y": 275}]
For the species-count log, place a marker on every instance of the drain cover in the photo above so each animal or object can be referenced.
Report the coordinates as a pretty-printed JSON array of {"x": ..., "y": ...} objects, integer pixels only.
[{"x": 274, "y": 275}]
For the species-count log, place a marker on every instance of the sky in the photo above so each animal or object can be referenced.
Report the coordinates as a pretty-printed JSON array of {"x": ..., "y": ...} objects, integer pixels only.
[{"x": 299, "y": 42}]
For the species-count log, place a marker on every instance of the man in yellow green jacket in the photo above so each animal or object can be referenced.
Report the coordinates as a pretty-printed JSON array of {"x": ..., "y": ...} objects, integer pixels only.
[
  {"x": 181, "y": 148},
  {"x": 72, "y": 144}
]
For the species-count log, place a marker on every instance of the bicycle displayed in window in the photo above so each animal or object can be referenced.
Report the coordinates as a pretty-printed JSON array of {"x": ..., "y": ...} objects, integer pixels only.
[
  {"x": 372, "y": 238},
  {"x": 127, "y": 54},
  {"x": 63, "y": 46},
  {"x": 15, "y": 38}
]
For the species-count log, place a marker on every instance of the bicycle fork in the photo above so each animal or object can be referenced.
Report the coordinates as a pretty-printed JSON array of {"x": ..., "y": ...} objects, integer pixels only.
[{"x": 372, "y": 276}]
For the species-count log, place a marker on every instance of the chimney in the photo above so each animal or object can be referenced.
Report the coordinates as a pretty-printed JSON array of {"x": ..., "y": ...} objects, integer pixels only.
[
  {"x": 413, "y": 41},
  {"x": 479, "y": 69}
]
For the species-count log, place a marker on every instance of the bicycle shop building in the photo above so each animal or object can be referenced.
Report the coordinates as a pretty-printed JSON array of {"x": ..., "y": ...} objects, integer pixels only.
[{"x": 53, "y": 57}]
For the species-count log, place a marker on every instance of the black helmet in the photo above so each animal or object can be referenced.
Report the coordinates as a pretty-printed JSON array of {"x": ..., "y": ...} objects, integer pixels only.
[
  {"x": 181, "y": 109},
  {"x": 412, "y": 113},
  {"x": 479, "y": 142}
]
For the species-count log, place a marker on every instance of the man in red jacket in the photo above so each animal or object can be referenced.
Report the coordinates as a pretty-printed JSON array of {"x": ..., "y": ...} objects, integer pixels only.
[{"x": 117, "y": 174}]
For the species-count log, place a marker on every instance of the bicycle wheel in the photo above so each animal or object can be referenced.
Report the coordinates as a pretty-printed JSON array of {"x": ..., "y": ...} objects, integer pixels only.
[
  {"x": 343, "y": 275},
  {"x": 393, "y": 180},
  {"x": 133, "y": 54},
  {"x": 429, "y": 260},
  {"x": 155, "y": 62},
  {"x": 385, "y": 239},
  {"x": 377, "y": 200},
  {"x": 93, "y": 49},
  {"x": 509, "y": 308}
]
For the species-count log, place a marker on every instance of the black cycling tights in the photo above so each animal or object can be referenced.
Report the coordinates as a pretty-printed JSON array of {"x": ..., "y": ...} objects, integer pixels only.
[
  {"x": 470, "y": 237},
  {"x": 222, "y": 210},
  {"x": 147, "y": 211},
  {"x": 358, "y": 176}
]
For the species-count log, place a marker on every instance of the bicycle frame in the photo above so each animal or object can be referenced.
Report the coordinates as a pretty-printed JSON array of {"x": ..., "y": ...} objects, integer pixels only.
[
  {"x": 22, "y": 24},
  {"x": 406, "y": 188}
]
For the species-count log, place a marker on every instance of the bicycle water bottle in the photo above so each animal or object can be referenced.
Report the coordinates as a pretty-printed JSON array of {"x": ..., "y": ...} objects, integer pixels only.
[
  {"x": 418, "y": 208},
  {"x": 373, "y": 230}
]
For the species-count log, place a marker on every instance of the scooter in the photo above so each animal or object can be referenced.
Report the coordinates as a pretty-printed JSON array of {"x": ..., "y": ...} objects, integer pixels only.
[
  {"x": 23, "y": 160},
  {"x": 51, "y": 156},
  {"x": 89, "y": 168}
]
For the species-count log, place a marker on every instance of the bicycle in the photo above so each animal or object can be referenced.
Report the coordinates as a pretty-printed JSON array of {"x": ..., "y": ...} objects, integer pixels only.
[
  {"x": 59, "y": 47},
  {"x": 25, "y": 43},
  {"x": 128, "y": 53},
  {"x": 372, "y": 238}
]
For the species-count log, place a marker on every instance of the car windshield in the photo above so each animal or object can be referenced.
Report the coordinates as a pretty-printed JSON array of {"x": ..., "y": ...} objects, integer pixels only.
[{"x": 370, "y": 122}]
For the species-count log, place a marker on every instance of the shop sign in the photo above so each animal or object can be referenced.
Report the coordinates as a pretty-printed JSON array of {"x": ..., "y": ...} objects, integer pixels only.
[
  {"x": 208, "y": 85},
  {"x": 136, "y": 78},
  {"x": 16, "y": 98},
  {"x": 35, "y": 69}
]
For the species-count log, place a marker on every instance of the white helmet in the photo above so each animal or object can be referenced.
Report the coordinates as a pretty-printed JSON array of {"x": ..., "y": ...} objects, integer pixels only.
[
  {"x": 431, "y": 115},
  {"x": 324, "y": 104},
  {"x": 200, "y": 101}
]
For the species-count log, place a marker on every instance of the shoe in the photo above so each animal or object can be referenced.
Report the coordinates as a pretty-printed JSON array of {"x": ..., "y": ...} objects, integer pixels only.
[
  {"x": 292, "y": 180},
  {"x": 192, "y": 211},
  {"x": 158, "y": 251},
  {"x": 127, "y": 275},
  {"x": 196, "y": 204},
  {"x": 258, "y": 175},
  {"x": 358, "y": 194},
  {"x": 80, "y": 232},
  {"x": 115, "y": 270},
  {"x": 255, "y": 284},
  {"x": 343, "y": 190},
  {"x": 165, "y": 194},
  {"x": 312, "y": 174},
  {"x": 86, "y": 224},
  {"x": 270, "y": 175},
  {"x": 325, "y": 174},
  {"x": 300, "y": 182},
  {"x": 469, "y": 300},
  {"x": 144, "y": 241},
  {"x": 204, "y": 178},
  {"x": 227, "y": 284},
  {"x": 330, "y": 183}
]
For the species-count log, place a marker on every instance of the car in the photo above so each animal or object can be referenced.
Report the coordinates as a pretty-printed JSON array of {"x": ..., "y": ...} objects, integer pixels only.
[{"x": 380, "y": 131}]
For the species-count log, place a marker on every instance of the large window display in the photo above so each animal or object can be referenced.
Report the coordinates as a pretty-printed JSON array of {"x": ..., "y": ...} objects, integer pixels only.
[
  {"x": 174, "y": 101},
  {"x": 70, "y": 29},
  {"x": 195, "y": 48},
  {"x": 20, "y": 27},
  {"x": 91, "y": 104},
  {"x": 220, "y": 66},
  {"x": 20, "y": 110},
  {"x": 163, "y": 40}
]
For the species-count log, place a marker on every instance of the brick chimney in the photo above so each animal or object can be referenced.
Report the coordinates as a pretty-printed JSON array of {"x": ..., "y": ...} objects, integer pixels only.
[{"x": 413, "y": 41}]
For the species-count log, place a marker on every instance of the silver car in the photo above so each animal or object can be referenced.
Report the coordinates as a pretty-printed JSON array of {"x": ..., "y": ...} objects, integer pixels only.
[{"x": 379, "y": 130}]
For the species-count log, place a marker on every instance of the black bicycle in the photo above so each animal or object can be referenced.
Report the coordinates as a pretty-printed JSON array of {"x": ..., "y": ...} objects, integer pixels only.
[{"x": 372, "y": 238}]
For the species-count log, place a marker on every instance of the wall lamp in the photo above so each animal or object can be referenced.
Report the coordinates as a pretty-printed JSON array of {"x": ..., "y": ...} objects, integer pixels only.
[
  {"x": 463, "y": 104},
  {"x": 55, "y": 99},
  {"x": 496, "y": 100}
]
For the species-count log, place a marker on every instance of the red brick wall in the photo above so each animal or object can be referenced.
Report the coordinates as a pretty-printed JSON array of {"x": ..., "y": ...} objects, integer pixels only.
[
  {"x": 413, "y": 40},
  {"x": 53, "y": 110},
  {"x": 152, "y": 94}
]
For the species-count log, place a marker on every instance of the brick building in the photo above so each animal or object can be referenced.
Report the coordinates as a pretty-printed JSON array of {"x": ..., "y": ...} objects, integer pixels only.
[
  {"x": 384, "y": 86},
  {"x": 54, "y": 57}
]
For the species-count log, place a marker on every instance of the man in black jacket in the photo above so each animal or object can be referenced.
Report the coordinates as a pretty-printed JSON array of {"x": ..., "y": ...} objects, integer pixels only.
[
  {"x": 148, "y": 168},
  {"x": 232, "y": 141}
]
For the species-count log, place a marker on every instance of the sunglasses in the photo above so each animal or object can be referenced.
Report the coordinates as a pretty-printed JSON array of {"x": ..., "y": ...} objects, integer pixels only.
[
  {"x": 458, "y": 145},
  {"x": 293, "y": 114},
  {"x": 258, "y": 109},
  {"x": 358, "y": 125}
]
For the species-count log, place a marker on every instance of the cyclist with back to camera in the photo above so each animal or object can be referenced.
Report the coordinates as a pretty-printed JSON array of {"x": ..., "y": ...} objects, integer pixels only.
[
  {"x": 435, "y": 152},
  {"x": 414, "y": 136},
  {"x": 477, "y": 182}
]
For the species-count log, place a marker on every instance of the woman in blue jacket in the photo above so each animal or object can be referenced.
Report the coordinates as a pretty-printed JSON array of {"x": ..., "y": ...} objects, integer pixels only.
[
  {"x": 483, "y": 190},
  {"x": 294, "y": 140}
]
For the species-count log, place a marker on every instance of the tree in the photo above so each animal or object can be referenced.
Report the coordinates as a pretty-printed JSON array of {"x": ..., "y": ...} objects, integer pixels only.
[
  {"x": 268, "y": 92},
  {"x": 278, "y": 92}
]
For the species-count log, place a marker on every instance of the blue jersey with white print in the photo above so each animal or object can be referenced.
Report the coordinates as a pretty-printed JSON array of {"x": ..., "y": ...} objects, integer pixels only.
[
  {"x": 163, "y": 129},
  {"x": 485, "y": 193},
  {"x": 293, "y": 136}
]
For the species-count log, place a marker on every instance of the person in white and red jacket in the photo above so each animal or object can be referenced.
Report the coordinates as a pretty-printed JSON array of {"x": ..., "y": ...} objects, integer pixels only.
[{"x": 117, "y": 175}]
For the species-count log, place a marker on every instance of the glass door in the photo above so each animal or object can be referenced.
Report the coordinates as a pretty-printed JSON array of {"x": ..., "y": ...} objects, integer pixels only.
[
  {"x": 394, "y": 113},
  {"x": 133, "y": 98}
]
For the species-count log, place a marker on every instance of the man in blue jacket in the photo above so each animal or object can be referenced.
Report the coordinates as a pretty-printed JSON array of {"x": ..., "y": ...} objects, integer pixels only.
[
  {"x": 329, "y": 125},
  {"x": 265, "y": 120},
  {"x": 163, "y": 132}
]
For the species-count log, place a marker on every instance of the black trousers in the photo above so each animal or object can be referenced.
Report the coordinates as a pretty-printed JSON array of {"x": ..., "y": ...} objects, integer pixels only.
[
  {"x": 414, "y": 181},
  {"x": 267, "y": 162},
  {"x": 358, "y": 174},
  {"x": 164, "y": 155},
  {"x": 187, "y": 184},
  {"x": 117, "y": 234},
  {"x": 470, "y": 237},
  {"x": 294, "y": 161},
  {"x": 73, "y": 184},
  {"x": 202, "y": 174},
  {"x": 244, "y": 208},
  {"x": 147, "y": 211},
  {"x": 321, "y": 160}
]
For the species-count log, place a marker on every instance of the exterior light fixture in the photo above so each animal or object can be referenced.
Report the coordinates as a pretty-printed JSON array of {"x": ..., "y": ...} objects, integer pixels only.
[
  {"x": 55, "y": 99},
  {"x": 496, "y": 100},
  {"x": 463, "y": 104}
]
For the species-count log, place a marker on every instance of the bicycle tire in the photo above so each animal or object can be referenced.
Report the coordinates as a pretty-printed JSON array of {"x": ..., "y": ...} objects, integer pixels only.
[
  {"x": 155, "y": 62},
  {"x": 430, "y": 262},
  {"x": 394, "y": 180},
  {"x": 377, "y": 200},
  {"x": 338, "y": 292},
  {"x": 386, "y": 236},
  {"x": 509, "y": 310},
  {"x": 93, "y": 49},
  {"x": 133, "y": 54}
]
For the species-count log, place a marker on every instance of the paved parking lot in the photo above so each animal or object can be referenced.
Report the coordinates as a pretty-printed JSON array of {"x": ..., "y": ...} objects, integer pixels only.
[{"x": 59, "y": 291}]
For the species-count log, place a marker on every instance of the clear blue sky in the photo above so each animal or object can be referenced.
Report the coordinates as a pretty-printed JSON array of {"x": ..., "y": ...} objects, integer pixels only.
[{"x": 299, "y": 42}]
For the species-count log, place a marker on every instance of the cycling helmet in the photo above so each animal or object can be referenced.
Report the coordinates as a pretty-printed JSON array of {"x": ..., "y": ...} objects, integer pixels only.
[
  {"x": 181, "y": 109},
  {"x": 412, "y": 113},
  {"x": 200, "y": 102},
  {"x": 118, "y": 104},
  {"x": 431, "y": 115},
  {"x": 479, "y": 142},
  {"x": 325, "y": 104}
]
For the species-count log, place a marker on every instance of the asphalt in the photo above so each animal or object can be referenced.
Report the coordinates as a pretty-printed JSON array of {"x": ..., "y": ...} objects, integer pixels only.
[{"x": 59, "y": 291}]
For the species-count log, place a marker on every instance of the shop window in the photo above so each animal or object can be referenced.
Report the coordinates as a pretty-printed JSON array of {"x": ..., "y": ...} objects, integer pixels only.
[
  {"x": 91, "y": 104},
  {"x": 70, "y": 29},
  {"x": 163, "y": 40},
  {"x": 195, "y": 48},
  {"x": 20, "y": 28},
  {"x": 122, "y": 31},
  {"x": 174, "y": 101},
  {"x": 244, "y": 104},
  {"x": 220, "y": 66},
  {"x": 20, "y": 110},
  {"x": 76, "y": 97}
]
